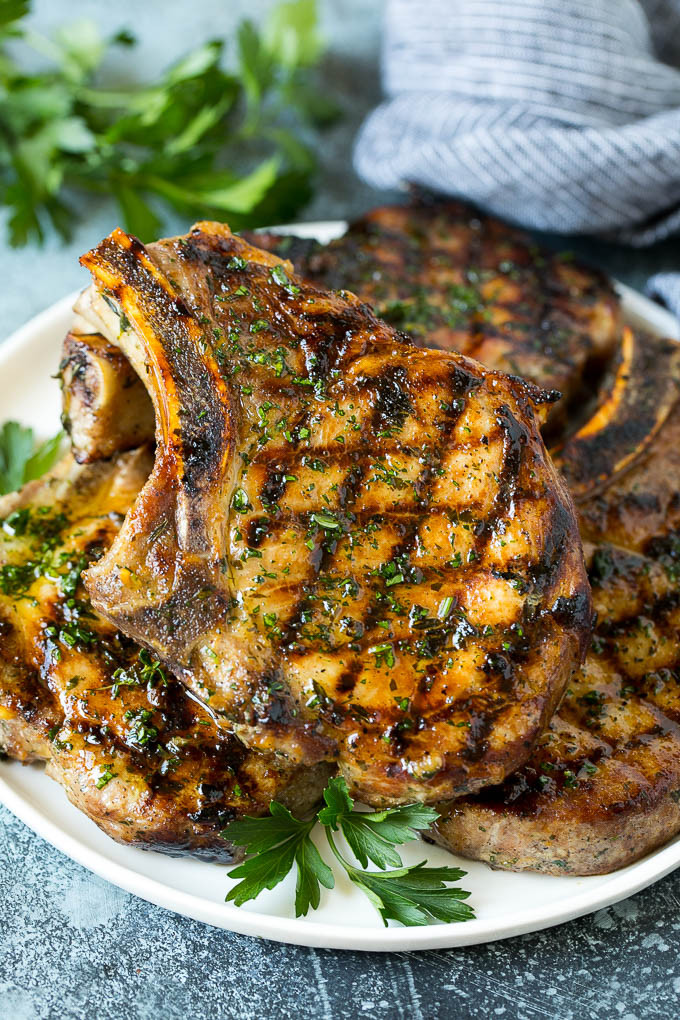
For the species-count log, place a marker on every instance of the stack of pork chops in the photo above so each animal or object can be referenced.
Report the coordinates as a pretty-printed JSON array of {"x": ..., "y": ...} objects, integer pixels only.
[{"x": 310, "y": 524}]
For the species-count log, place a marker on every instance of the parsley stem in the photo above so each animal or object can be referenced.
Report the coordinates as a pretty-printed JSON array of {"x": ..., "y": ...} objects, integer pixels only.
[
  {"x": 336, "y": 852},
  {"x": 349, "y": 868}
]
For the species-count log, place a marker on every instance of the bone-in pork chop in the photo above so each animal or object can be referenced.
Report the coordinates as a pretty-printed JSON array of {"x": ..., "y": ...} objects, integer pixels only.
[{"x": 349, "y": 548}]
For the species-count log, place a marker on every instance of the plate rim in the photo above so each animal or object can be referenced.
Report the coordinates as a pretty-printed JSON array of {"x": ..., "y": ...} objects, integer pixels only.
[{"x": 621, "y": 884}]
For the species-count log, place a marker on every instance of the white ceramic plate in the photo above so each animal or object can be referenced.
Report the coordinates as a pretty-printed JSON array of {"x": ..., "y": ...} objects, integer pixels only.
[{"x": 506, "y": 904}]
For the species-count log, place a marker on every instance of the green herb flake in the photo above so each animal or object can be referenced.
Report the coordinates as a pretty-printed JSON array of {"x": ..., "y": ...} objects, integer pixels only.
[
  {"x": 240, "y": 502},
  {"x": 106, "y": 774},
  {"x": 326, "y": 521}
]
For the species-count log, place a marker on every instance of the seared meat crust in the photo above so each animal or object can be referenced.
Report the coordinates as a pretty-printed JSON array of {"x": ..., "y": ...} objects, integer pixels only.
[
  {"x": 131, "y": 749},
  {"x": 603, "y": 786},
  {"x": 455, "y": 279},
  {"x": 349, "y": 548}
]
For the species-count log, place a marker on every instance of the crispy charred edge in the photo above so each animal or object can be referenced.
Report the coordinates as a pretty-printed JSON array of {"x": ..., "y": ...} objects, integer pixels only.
[
  {"x": 195, "y": 426},
  {"x": 106, "y": 409},
  {"x": 641, "y": 393}
]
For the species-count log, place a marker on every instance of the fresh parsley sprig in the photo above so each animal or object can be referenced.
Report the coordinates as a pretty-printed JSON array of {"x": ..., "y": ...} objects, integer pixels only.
[
  {"x": 413, "y": 895},
  {"x": 201, "y": 139},
  {"x": 20, "y": 460}
]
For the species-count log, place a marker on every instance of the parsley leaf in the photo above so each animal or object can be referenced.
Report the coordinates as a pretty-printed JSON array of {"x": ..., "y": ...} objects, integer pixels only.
[
  {"x": 413, "y": 895},
  {"x": 277, "y": 843},
  {"x": 373, "y": 835},
  {"x": 20, "y": 461},
  {"x": 167, "y": 143}
]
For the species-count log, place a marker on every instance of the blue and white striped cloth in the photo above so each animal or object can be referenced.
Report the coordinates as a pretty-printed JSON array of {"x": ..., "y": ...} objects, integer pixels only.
[{"x": 561, "y": 115}]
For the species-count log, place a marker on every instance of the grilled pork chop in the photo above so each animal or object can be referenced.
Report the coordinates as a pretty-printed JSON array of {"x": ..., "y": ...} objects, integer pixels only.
[
  {"x": 458, "y": 280},
  {"x": 349, "y": 548},
  {"x": 132, "y": 751},
  {"x": 603, "y": 786}
]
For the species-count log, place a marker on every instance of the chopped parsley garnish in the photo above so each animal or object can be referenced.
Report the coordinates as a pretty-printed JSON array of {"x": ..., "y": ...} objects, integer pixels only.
[
  {"x": 143, "y": 732},
  {"x": 145, "y": 672},
  {"x": 258, "y": 325},
  {"x": 278, "y": 275},
  {"x": 236, "y": 262},
  {"x": 326, "y": 521},
  {"x": 240, "y": 503},
  {"x": 384, "y": 654},
  {"x": 105, "y": 776}
]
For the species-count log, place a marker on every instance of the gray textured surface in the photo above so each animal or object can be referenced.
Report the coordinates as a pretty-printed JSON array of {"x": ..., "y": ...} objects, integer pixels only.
[{"x": 73, "y": 947}]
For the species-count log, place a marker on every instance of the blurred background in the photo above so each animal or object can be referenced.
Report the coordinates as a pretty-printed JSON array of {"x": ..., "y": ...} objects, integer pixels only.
[
  {"x": 346, "y": 78},
  {"x": 35, "y": 276}
]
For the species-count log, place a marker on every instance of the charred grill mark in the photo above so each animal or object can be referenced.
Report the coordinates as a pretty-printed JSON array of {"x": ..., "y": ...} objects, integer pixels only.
[
  {"x": 292, "y": 629},
  {"x": 259, "y": 529},
  {"x": 210, "y": 251},
  {"x": 202, "y": 409},
  {"x": 573, "y": 612},
  {"x": 325, "y": 348},
  {"x": 500, "y": 666},
  {"x": 516, "y": 438},
  {"x": 347, "y": 492},
  {"x": 392, "y": 402},
  {"x": 477, "y": 743},
  {"x": 463, "y": 382},
  {"x": 558, "y": 531},
  {"x": 404, "y": 549},
  {"x": 273, "y": 486}
]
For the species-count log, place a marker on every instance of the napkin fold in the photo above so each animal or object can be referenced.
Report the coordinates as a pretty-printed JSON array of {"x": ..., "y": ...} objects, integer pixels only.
[{"x": 560, "y": 115}]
